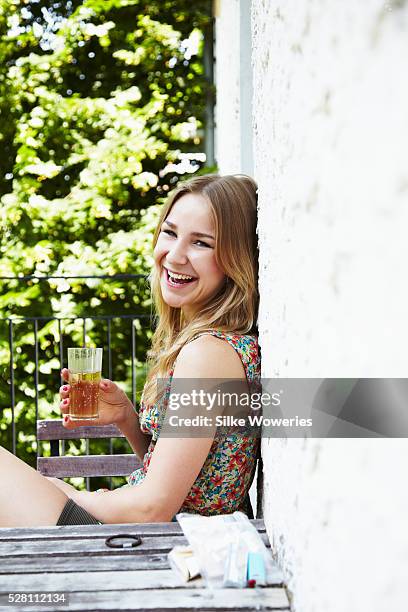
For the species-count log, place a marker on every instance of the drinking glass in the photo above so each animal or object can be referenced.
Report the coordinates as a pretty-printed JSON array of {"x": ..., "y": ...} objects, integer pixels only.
[{"x": 84, "y": 365}]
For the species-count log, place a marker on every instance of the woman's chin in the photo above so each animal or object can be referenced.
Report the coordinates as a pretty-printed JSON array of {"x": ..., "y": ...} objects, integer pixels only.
[{"x": 171, "y": 300}]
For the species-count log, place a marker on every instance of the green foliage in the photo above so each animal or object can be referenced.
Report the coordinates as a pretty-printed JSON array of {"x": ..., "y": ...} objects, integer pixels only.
[{"x": 102, "y": 105}]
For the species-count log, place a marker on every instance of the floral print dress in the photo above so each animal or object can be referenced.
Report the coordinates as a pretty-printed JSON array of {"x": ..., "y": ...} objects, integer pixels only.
[{"x": 224, "y": 480}]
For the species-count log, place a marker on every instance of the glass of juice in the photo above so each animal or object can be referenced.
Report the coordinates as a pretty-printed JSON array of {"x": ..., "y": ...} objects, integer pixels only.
[{"x": 84, "y": 365}]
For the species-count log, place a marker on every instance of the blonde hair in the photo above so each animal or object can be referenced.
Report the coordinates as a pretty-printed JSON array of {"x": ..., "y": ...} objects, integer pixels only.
[{"x": 234, "y": 309}]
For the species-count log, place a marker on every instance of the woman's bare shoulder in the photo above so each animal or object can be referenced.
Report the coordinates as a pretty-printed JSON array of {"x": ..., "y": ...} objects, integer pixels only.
[{"x": 209, "y": 357}]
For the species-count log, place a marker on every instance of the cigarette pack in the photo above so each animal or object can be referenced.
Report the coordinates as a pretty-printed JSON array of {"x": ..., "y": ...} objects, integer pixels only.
[{"x": 183, "y": 562}]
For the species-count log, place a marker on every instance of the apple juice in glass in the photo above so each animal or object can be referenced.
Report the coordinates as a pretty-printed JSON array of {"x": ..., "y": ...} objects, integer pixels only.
[{"x": 84, "y": 365}]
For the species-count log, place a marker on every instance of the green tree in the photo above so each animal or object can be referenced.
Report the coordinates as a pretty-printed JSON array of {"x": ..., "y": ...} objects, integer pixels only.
[{"x": 102, "y": 107}]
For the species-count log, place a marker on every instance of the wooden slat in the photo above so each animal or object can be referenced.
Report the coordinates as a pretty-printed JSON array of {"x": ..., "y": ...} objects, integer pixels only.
[
  {"x": 88, "y": 465},
  {"x": 98, "y": 531},
  {"x": 243, "y": 600},
  {"x": 103, "y": 581},
  {"x": 100, "y": 581},
  {"x": 53, "y": 429},
  {"x": 56, "y": 565},
  {"x": 78, "y": 580},
  {"x": 90, "y": 547}
]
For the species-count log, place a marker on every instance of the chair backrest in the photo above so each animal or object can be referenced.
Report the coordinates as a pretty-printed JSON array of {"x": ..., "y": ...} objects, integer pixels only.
[{"x": 84, "y": 465}]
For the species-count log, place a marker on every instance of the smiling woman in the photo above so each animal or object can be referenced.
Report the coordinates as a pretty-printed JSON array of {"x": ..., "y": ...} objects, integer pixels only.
[
  {"x": 204, "y": 285},
  {"x": 224, "y": 261}
]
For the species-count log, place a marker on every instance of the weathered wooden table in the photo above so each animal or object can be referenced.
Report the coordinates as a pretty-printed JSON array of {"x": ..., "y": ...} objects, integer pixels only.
[{"x": 77, "y": 562}]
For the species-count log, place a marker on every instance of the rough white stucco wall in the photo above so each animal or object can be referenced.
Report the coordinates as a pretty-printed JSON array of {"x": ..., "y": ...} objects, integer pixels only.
[
  {"x": 331, "y": 150},
  {"x": 227, "y": 81}
]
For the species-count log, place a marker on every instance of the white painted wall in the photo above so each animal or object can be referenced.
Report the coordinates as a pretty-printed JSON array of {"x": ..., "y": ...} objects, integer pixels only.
[
  {"x": 330, "y": 121},
  {"x": 233, "y": 80},
  {"x": 227, "y": 82}
]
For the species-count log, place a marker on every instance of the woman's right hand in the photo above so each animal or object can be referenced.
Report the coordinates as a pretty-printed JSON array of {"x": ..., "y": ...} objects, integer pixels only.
[{"x": 114, "y": 406}]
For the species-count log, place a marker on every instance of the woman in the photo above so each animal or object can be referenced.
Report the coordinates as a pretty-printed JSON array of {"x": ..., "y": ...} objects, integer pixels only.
[{"x": 204, "y": 284}]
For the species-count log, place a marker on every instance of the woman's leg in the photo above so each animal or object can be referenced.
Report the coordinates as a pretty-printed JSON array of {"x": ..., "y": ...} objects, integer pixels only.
[
  {"x": 27, "y": 499},
  {"x": 64, "y": 486}
]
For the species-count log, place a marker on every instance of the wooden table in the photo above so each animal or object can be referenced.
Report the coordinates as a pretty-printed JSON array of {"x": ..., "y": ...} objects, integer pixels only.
[{"x": 77, "y": 561}]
